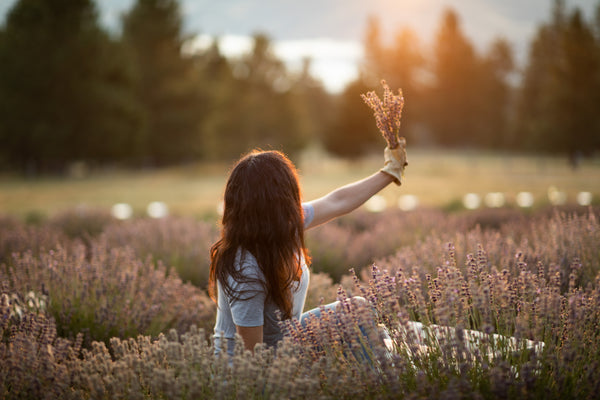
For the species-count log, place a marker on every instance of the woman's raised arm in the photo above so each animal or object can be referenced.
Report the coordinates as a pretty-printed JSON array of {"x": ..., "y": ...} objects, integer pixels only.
[{"x": 349, "y": 197}]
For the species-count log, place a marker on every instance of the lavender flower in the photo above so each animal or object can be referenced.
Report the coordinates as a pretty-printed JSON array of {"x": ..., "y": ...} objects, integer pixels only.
[
  {"x": 387, "y": 113},
  {"x": 522, "y": 314}
]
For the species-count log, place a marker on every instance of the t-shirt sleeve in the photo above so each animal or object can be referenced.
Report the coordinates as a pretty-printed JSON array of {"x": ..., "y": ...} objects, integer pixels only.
[
  {"x": 248, "y": 310},
  {"x": 309, "y": 213}
]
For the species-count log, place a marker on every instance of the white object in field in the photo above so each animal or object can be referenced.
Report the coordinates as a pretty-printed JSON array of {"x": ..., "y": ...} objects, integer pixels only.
[
  {"x": 408, "y": 202},
  {"x": 471, "y": 201},
  {"x": 525, "y": 199},
  {"x": 584, "y": 198},
  {"x": 376, "y": 204},
  {"x": 121, "y": 211},
  {"x": 157, "y": 209},
  {"x": 556, "y": 197},
  {"x": 424, "y": 338},
  {"x": 494, "y": 199}
]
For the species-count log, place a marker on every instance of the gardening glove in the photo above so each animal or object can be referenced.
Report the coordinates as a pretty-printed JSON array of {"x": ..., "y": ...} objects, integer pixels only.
[{"x": 395, "y": 161}]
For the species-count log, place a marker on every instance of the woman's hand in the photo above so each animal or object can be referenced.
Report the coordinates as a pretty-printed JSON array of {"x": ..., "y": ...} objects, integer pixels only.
[
  {"x": 395, "y": 161},
  {"x": 347, "y": 198}
]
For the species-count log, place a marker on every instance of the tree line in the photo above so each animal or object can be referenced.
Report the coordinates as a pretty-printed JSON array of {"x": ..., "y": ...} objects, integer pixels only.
[{"x": 72, "y": 91}]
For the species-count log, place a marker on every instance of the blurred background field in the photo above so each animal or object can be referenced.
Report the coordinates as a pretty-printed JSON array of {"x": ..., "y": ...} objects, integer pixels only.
[
  {"x": 437, "y": 178},
  {"x": 161, "y": 106}
]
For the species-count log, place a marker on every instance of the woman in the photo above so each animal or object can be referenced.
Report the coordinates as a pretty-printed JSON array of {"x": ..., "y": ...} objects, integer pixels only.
[{"x": 258, "y": 269}]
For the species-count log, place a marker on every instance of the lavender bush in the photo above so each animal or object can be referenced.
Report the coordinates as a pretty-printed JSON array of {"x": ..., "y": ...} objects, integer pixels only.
[
  {"x": 357, "y": 240},
  {"x": 558, "y": 241},
  {"x": 83, "y": 223},
  {"x": 321, "y": 290},
  {"x": 333, "y": 358},
  {"x": 17, "y": 237},
  {"x": 482, "y": 305},
  {"x": 105, "y": 292},
  {"x": 34, "y": 360},
  {"x": 181, "y": 243}
]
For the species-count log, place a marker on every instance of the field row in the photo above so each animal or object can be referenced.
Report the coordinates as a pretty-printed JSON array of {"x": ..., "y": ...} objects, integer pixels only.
[{"x": 91, "y": 307}]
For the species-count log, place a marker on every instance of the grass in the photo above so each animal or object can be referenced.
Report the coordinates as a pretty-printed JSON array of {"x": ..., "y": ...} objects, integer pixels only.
[{"x": 438, "y": 178}]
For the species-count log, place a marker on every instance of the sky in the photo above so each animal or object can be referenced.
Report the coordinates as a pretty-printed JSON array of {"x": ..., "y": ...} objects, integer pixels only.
[{"x": 331, "y": 31}]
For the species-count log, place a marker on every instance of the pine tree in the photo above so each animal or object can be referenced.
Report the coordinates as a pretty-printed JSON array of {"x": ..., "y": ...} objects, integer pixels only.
[
  {"x": 495, "y": 96},
  {"x": 399, "y": 64},
  {"x": 559, "y": 97},
  {"x": 261, "y": 109},
  {"x": 167, "y": 81},
  {"x": 64, "y": 88},
  {"x": 216, "y": 93},
  {"x": 578, "y": 95},
  {"x": 353, "y": 132},
  {"x": 453, "y": 97}
]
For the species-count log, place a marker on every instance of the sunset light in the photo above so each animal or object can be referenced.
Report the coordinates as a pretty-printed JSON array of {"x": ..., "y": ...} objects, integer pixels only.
[{"x": 271, "y": 199}]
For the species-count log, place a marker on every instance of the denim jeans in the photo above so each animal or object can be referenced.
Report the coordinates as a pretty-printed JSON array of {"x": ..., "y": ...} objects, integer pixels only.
[{"x": 365, "y": 352}]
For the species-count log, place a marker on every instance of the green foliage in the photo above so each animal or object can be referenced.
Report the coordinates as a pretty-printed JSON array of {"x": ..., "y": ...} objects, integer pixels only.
[
  {"x": 166, "y": 81},
  {"x": 494, "y": 102},
  {"x": 455, "y": 97},
  {"x": 454, "y": 91},
  {"x": 559, "y": 97},
  {"x": 399, "y": 63},
  {"x": 314, "y": 107},
  {"x": 71, "y": 93},
  {"x": 353, "y": 132},
  {"x": 63, "y": 88},
  {"x": 263, "y": 106},
  {"x": 106, "y": 292}
]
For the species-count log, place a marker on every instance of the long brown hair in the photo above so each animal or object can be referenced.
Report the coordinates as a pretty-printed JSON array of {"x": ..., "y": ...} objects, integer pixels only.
[{"x": 262, "y": 215}]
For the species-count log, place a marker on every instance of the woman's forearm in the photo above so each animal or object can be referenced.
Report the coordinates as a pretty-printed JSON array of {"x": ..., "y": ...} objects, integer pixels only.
[{"x": 347, "y": 198}]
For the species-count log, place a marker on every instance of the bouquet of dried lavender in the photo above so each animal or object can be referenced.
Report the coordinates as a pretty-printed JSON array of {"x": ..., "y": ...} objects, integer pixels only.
[
  {"x": 387, "y": 116},
  {"x": 387, "y": 113}
]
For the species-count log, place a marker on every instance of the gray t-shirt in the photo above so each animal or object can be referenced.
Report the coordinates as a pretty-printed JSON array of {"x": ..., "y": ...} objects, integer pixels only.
[{"x": 253, "y": 309}]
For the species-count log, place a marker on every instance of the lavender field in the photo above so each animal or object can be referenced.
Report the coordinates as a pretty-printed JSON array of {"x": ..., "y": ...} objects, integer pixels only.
[
  {"x": 96, "y": 308},
  {"x": 477, "y": 278}
]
